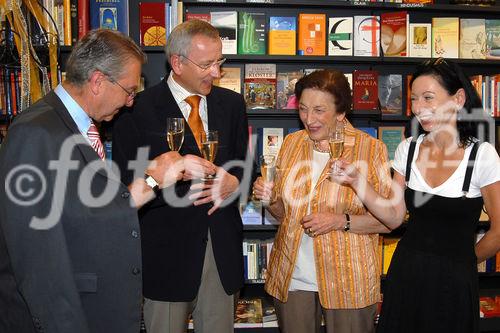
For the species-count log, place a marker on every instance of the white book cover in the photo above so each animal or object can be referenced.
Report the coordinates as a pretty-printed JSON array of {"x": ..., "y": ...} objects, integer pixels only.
[
  {"x": 367, "y": 36},
  {"x": 227, "y": 24},
  {"x": 340, "y": 35},
  {"x": 445, "y": 36},
  {"x": 472, "y": 38},
  {"x": 420, "y": 40},
  {"x": 272, "y": 138}
]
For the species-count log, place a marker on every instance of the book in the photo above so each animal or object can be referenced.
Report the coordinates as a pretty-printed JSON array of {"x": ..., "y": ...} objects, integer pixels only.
[
  {"x": 271, "y": 139},
  {"x": 282, "y": 35},
  {"x": 472, "y": 38},
  {"x": 340, "y": 35},
  {"x": 110, "y": 14},
  {"x": 198, "y": 16},
  {"x": 419, "y": 45},
  {"x": 369, "y": 130},
  {"x": 230, "y": 79},
  {"x": 285, "y": 89},
  {"x": 365, "y": 90},
  {"x": 390, "y": 94},
  {"x": 152, "y": 24},
  {"x": 393, "y": 33},
  {"x": 392, "y": 137},
  {"x": 445, "y": 34},
  {"x": 389, "y": 246},
  {"x": 312, "y": 34},
  {"x": 260, "y": 86},
  {"x": 248, "y": 313},
  {"x": 269, "y": 219},
  {"x": 367, "y": 36},
  {"x": 83, "y": 18},
  {"x": 251, "y": 213},
  {"x": 227, "y": 25},
  {"x": 492, "y": 39},
  {"x": 251, "y": 33}
]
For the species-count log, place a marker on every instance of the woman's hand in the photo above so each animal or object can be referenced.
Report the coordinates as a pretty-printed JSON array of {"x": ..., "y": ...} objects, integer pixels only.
[
  {"x": 345, "y": 173},
  {"x": 321, "y": 223},
  {"x": 262, "y": 190}
]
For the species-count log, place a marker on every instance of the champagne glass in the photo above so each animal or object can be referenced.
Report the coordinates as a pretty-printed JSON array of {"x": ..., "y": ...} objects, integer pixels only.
[
  {"x": 209, "y": 144},
  {"x": 175, "y": 133},
  {"x": 267, "y": 170},
  {"x": 336, "y": 142}
]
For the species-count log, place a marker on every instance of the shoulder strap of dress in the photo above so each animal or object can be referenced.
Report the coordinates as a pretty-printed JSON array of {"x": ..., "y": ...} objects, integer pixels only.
[
  {"x": 470, "y": 167},
  {"x": 411, "y": 152}
]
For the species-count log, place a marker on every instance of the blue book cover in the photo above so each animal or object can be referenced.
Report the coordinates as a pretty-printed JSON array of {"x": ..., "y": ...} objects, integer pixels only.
[{"x": 109, "y": 14}]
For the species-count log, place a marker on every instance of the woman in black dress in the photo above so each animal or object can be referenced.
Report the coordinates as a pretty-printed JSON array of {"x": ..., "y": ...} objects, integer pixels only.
[{"x": 442, "y": 177}]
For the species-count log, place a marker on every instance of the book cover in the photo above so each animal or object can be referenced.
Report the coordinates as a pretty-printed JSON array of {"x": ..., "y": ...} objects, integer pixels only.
[
  {"x": 198, "y": 16},
  {"x": 251, "y": 213},
  {"x": 260, "y": 86},
  {"x": 492, "y": 39},
  {"x": 312, "y": 34},
  {"x": 445, "y": 35},
  {"x": 365, "y": 90},
  {"x": 390, "y": 94},
  {"x": 282, "y": 35},
  {"x": 389, "y": 246},
  {"x": 83, "y": 18},
  {"x": 269, "y": 219},
  {"x": 227, "y": 24},
  {"x": 369, "y": 130},
  {"x": 109, "y": 14},
  {"x": 472, "y": 38},
  {"x": 268, "y": 311},
  {"x": 248, "y": 313},
  {"x": 230, "y": 79},
  {"x": 366, "y": 36},
  {"x": 392, "y": 137},
  {"x": 270, "y": 140},
  {"x": 340, "y": 34},
  {"x": 393, "y": 34},
  {"x": 152, "y": 24},
  {"x": 420, "y": 40},
  {"x": 285, "y": 89},
  {"x": 251, "y": 33}
]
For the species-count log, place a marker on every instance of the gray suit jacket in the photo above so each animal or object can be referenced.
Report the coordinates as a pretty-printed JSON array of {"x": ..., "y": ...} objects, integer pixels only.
[{"x": 83, "y": 273}]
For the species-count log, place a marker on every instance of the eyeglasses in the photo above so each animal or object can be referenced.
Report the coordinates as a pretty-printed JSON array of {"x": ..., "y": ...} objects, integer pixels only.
[
  {"x": 217, "y": 63},
  {"x": 130, "y": 94}
]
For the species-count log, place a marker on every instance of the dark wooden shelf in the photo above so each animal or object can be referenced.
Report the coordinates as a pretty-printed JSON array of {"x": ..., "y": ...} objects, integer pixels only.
[
  {"x": 260, "y": 227},
  {"x": 489, "y": 324}
]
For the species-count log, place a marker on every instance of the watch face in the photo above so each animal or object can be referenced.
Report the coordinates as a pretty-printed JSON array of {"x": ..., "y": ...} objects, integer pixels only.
[{"x": 151, "y": 182}]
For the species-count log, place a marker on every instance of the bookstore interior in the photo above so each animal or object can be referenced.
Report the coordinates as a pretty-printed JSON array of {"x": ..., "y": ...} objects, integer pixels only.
[{"x": 269, "y": 45}]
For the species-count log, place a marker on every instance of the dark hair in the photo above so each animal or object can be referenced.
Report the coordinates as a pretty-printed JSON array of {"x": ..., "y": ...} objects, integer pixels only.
[
  {"x": 452, "y": 78},
  {"x": 331, "y": 81}
]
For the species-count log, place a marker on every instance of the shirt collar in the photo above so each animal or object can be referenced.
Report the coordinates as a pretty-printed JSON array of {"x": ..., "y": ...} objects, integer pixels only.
[{"x": 76, "y": 112}]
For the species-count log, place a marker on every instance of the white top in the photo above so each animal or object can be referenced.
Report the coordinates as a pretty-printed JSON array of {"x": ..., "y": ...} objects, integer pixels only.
[
  {"x": 486, "y": 171},
  {"x": 180, "y": 95},
  {"x": 304, "y": 274}
]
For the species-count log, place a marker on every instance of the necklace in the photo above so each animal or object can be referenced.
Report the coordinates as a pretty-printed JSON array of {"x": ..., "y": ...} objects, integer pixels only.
[{"x": 317, "y": 148}]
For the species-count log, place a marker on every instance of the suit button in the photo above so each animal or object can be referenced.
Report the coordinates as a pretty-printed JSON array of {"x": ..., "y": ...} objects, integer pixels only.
[
  {"x": 135, "y": 234},
  {"x": 125, "y": 195},
  {"x": 136, "y": 271}
]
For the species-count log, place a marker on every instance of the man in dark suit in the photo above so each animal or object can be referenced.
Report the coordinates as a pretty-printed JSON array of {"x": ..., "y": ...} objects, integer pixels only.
[
  {"x": 70, "y": 256},
  {"x": 192, "y": 248}
]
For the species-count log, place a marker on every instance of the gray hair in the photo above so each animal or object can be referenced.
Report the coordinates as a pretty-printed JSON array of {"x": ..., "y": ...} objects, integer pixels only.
[
  {"x": 179, "y": 40},
  {"x": 101, "y": 50}
]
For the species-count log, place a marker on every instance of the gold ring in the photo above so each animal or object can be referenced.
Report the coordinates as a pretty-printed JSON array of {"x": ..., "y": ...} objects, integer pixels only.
[{"x": 309, "y": 231}]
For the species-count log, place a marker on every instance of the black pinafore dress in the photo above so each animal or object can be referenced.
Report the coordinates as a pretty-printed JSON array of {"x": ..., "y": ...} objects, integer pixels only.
[{"x": 432, "y": 283}]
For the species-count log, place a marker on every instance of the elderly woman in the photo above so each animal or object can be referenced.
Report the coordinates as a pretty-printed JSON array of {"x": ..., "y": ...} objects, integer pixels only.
[{"x": 324, "y": 259}]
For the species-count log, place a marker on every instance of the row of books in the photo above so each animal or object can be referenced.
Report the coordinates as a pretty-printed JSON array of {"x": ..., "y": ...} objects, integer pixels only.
[{"x": 256, "y": 256}]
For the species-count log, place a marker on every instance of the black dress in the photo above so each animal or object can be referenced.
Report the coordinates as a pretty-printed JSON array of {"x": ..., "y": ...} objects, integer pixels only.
[{"x": 432, "y": 283}]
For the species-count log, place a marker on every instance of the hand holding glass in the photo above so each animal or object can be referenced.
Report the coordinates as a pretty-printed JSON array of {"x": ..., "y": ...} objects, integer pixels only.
[
  {"x": 209, "y": 144},
  {"x": 336, "y": 142},
  {"x": 175, "y": 133},
  {"x": 267, "y": 170}
]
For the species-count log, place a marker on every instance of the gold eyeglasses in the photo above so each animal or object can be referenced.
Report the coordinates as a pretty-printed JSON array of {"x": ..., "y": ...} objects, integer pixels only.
[
  {"x": 130, "y": 94},
  {"x": 216, "y": 63}
]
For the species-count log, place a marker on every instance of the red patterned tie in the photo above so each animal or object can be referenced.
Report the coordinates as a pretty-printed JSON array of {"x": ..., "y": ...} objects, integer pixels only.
[{"x": 95, "y": 140}]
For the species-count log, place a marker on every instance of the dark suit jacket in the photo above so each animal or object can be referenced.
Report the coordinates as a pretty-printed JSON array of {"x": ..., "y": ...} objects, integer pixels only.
[
  {"x": 174, "y": 239},
  {"x": 82, "y": 274}
]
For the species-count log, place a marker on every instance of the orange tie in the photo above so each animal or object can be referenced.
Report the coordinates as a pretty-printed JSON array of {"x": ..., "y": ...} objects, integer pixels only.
[{"x": 194, "y": 119}]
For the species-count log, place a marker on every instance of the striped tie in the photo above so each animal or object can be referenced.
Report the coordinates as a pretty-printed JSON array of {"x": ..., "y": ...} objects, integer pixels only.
[{"x": 95, "y": 140}]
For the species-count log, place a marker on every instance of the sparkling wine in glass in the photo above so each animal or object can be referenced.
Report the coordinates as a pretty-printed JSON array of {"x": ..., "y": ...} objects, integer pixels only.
[
  {"x": 267, "y": 170},
  {"x": 175, "y": 133},
  {"x": 336, "y": 141},
  {"x": 209, "y": 144}
]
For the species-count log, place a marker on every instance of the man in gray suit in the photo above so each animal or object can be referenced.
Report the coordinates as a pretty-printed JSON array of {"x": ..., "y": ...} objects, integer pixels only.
[{"x": 70, "y": 250}]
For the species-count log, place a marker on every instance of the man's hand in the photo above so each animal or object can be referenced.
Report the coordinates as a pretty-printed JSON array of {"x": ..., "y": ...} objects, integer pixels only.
[
  {"x": 197, "y": 167},
  {"x": 216, "y": 190},
  {"x": 166, "y": 168}
]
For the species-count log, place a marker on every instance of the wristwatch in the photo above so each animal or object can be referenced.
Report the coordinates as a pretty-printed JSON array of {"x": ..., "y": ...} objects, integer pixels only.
[
  {"x": 151, "y": 182},
  {"x": 347, "y": 226}
]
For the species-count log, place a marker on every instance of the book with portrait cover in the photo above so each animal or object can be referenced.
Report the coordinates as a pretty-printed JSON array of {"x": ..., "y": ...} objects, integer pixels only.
[
  {"x": 365, "y": 90},
  {"x": 285, "y": 89},
  {"x": 110, "y": 14},
  {"x": 260, "y": 86},
  {"x": 340, "y": 36},
  {"x": 282, "y": 35},
  {"x": 152, "y": 23},
  {"x": 393, "y": 33},
  {"x": 390, "y": 94},
  {"x": 367, "y": 36},
  {"x": 251, "y": 33},
  {"x": 312, "y": 34},
  {"x": 445, "y": 34},
  {"x": 419, "y": 45}
]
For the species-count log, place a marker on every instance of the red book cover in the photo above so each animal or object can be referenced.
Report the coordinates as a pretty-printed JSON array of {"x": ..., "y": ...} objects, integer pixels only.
[
  {"x": 393, "y": 33},
  {"x": 365, "y": 90},
  {"x": 83, "y": 18},
  {"x": 489, "y": 307},
  {"x": 152, "y": 23}
]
